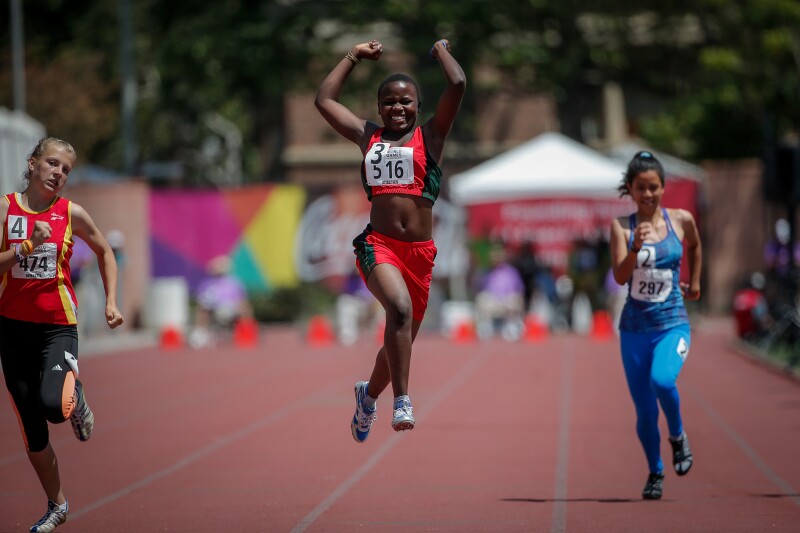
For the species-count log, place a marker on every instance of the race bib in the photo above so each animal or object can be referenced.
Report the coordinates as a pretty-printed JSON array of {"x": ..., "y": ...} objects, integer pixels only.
[
  {"x": 40, "y": 264},
  {"x": 651, "y": 284},
  {"x": 387, "y": 165}
]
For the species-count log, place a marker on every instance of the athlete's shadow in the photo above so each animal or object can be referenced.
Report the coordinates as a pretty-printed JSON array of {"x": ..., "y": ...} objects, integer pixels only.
[{"x": 551, "y": 500}]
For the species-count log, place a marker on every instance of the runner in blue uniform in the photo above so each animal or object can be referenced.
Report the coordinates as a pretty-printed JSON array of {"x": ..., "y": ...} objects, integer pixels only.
[{"x": 646, "y": 253}]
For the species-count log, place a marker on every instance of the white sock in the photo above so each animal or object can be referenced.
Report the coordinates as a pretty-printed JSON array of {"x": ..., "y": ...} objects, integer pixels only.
[
  {"x": 369, "y": 401},
  {"x": 399, "y": 401},
  {"x": 61, "y": 507}
]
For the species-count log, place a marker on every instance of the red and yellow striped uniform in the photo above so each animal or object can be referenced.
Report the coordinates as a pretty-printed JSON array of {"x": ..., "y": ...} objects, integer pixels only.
[{"x": 39, "y": 288}]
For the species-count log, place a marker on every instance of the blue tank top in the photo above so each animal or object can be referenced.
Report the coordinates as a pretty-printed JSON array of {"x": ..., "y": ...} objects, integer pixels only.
[{"x": 655, "y": 302}]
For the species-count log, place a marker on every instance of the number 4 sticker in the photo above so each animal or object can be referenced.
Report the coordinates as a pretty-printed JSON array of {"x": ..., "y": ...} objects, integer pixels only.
[{"x": 17, "y": 227}]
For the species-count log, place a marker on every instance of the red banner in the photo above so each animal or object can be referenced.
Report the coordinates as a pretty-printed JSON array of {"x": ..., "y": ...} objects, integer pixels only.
[{"x": 552, "y": 225}]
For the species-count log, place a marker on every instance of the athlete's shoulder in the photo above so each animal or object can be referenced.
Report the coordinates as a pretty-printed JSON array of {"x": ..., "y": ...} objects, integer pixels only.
[
  {"x": 372, "y": 134},
  {"x": 623, "y": 221},
  {"x": 679, "y": 216}
]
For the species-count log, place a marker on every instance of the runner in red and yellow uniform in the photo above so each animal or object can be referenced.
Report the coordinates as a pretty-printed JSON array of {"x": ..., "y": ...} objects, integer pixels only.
[{"x": 38, "y": 312}]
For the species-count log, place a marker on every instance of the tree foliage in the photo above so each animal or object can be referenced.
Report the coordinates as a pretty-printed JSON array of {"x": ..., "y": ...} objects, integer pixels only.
[{"x": 712, "y": 70}]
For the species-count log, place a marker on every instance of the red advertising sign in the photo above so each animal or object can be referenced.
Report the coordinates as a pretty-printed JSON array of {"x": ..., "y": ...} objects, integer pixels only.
[{"x": 552, "y": 225}]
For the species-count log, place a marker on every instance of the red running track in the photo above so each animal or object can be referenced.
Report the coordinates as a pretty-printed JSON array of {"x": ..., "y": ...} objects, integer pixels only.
[{"x": 510, "y": 437}]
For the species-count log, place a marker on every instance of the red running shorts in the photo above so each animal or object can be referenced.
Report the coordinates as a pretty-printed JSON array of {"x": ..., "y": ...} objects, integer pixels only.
[{"x": 414, "y": 260}]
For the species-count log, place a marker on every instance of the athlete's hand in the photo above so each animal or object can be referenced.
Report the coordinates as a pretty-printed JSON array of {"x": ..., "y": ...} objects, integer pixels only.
[
  {"x": 371, "y": 50},
  {"x": 641, "y": 233},
  {"x": 434, "y": 51},
  {"x": 689, "y": 293},
  {"x": 41, "y": 232},
  {"x": 113, "y": 316}
]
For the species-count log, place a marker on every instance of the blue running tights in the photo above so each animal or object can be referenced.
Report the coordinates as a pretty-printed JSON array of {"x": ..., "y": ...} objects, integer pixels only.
[{"x": 652, "y": 363}]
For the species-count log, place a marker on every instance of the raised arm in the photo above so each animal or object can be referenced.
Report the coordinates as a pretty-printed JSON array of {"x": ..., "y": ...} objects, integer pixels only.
[
  {"x": 344, "y": 121},
  {"x": 439, "y": 126},
  {"x": 84, "y": 227}
]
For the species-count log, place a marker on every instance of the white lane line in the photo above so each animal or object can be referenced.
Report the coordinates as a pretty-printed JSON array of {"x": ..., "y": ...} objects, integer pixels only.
[
  {"x": 748, "y": 450},
  {"x": 559, "y": 519},
  {"x": 251, "y": 428},
  {"x": 456, "y": 381}
]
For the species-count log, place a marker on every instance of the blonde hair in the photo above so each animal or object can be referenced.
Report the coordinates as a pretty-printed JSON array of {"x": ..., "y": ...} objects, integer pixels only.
[{"x": 41, "y": 146}]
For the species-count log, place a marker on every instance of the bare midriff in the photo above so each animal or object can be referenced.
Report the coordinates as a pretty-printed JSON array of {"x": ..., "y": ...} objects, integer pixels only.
[{"x": 402, "y": 217}]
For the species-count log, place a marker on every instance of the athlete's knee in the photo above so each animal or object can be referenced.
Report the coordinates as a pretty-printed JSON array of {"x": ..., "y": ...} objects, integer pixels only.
[
  {"x": 35, "y": 435},
  {"x": 37, "y": 444},
  {"x": 399, "y": 312},
  {"x": 55, "y": 405},
  {"x": 647, "y": 415},
  {"x": 662, "y": 382}
]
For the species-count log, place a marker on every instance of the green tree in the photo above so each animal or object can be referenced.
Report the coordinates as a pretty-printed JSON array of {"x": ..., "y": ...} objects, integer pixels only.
[{"x": 703, "y": 74}]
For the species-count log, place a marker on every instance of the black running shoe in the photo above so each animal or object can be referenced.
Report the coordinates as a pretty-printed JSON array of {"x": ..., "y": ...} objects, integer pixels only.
[
  {"x": 654, "y": 487},
  {"x": 681, "y": 455}
]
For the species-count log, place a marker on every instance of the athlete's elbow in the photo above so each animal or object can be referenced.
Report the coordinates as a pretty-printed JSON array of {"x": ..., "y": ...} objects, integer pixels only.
[{"x": 459, "y": 82}]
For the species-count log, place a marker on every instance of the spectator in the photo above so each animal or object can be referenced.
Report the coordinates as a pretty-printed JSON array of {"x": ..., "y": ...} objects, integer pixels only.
[
  {"x": 781, "y": 270},
  {"x": 356, "y": 309},
  {"x": 750, "y": 309},
  {"x": 500, "y": 302},
  {"x": 221, "y": 301},
  {"x": 777, "y": 255}
]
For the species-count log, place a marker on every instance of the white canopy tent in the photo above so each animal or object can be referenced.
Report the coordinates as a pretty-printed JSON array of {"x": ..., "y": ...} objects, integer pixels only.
[
  {"x": 554, "y": 192},
  {"x": 550, "y": 165}
]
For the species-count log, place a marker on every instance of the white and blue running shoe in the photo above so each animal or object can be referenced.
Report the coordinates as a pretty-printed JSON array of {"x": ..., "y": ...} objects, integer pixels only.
[
  {"x": 403, "y": 418},
  {"x": 363, "y": 418},
  {"x": 55, "y": 516}
]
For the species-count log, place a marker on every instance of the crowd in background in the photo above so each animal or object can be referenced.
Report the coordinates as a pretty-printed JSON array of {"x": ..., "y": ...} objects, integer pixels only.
[
  {"x": 508, "y": 285},
  {"x": 765, "y": 306}
]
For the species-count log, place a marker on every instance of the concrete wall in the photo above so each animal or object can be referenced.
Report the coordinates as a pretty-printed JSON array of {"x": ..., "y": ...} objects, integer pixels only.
[
  {"x": 735, "y": 229},
  {"x": 124, "y": 206}
]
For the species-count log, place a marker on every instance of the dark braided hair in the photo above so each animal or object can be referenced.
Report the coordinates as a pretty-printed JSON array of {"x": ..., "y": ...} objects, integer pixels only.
[{"x": 641, "y": 162}]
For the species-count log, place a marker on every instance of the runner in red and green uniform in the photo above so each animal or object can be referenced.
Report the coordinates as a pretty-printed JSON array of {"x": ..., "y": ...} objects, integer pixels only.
[{"x": 400, "y": 174}]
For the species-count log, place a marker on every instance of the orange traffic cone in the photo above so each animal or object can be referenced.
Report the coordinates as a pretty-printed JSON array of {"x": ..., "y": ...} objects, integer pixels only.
[
  {"x": 245, "y": 333},
  {"x": 171, "y": 338},
  {"x": 602, "y": 328},
  {"x": 464, "y": 332},
  {"x": 320, "y": 332},
  {"x": 534, "y": 329}
]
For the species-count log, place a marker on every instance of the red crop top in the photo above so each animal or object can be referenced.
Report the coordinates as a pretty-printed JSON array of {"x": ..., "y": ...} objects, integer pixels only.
[{"x": 407, "y": 169}]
